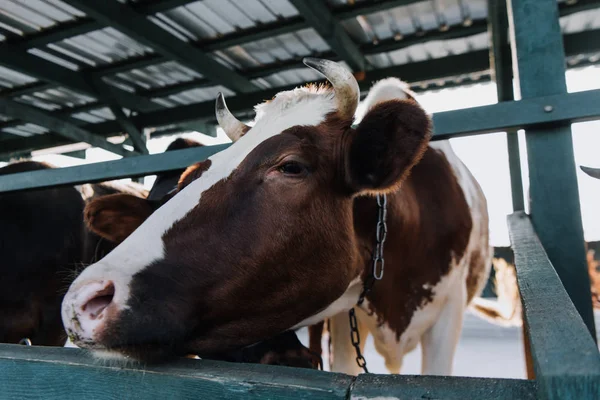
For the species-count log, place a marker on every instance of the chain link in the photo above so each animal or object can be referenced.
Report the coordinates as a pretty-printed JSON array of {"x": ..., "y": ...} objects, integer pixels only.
[{"x": 376, "y": 274}]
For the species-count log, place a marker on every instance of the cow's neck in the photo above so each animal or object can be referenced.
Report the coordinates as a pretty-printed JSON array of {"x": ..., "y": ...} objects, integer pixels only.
[{"x": 429, "y": 224}]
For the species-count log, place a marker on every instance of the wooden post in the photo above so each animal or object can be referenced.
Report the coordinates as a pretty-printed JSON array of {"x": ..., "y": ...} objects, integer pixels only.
[
  {"x": 501, "y": 65},
  {"x": 539, "y": 68}
]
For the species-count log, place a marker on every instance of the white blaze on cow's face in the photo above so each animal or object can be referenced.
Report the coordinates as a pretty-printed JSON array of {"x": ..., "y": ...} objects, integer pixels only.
[{"x": 261, "y": 240}]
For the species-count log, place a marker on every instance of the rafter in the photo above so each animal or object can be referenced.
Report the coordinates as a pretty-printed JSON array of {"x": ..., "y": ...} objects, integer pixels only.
[
  {"x": 135, "y": 134},
  {"x": 140, "y": 28},
  {"x": 59, "y": 126},
  {"x": 331, "y": 30}
]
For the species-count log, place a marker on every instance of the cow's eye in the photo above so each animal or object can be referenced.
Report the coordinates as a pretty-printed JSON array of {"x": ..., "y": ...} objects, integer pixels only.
[{"x": 292, "y": 168}]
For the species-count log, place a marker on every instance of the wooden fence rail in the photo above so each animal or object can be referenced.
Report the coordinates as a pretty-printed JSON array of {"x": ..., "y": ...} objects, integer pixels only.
[
  {"x": 566, "y": 359},
  {"x": 59, "y": 373}
]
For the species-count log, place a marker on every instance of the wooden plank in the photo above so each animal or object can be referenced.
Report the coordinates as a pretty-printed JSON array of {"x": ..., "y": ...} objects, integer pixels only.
[
  {"x": 103, "y": 171},
  {"x": 500, "y": 61},
  {"x": 566, "y": 359},
  {"x": 59, "y": 373},
  {"x": 539, "y": 63},
  {"x": 405, "y": 387}
]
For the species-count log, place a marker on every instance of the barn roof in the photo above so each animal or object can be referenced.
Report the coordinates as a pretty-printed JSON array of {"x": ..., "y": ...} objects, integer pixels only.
[{"x": 77, "y": 70}]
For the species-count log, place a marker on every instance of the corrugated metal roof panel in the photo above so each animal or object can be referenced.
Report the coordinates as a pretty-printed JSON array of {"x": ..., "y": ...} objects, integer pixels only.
[
  {"x": 95, "y": 116},
  {"x": 209, "y": 19},
  {"x": 10, "y": 78},
  {"x": 414, "y": 18},
  {"x": 155, "y": 76},
  {"x": 26, "y": 130},
  {"x": 30, "y": 16},
  {"x": 193, "y": 96},
  {"x": 100, "y": 47},
  {"x": 278, "y": 48},
  {"x": 429, "y": 50}
]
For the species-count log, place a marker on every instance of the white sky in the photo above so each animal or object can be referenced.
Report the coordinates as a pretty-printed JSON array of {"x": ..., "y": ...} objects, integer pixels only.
[{"x": 485, "y": 155}]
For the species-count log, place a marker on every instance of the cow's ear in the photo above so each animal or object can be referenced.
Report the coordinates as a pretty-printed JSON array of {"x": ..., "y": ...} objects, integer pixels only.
[
  {"x": 388, "y": 142},
  {"x": 192, "y": 173},
  {"x": 114, "y": 217}
]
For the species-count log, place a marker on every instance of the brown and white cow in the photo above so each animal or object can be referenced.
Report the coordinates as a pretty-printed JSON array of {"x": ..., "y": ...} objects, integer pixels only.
[
  {"x": 276, "y": 232},
  {"x": 114, "y": 217}
]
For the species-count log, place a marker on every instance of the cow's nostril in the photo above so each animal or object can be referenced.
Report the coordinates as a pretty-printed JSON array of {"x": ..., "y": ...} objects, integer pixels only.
[{"x": 102, "y": 299}]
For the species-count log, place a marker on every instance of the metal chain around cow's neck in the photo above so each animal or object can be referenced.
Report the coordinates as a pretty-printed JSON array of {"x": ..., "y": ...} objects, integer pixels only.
[{"x": 375, "y": 275}]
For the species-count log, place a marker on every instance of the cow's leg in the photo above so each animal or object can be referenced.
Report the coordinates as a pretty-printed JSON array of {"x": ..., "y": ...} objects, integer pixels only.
[
  {"x": 343, "y": 354},
  {"x": 439, "y": 342}
]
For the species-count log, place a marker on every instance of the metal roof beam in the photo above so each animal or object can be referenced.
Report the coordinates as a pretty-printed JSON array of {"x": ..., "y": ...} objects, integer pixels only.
[
  {"x": 137, "y": 26},
  {"x": 59, "y": 126},
  {"x": 137, "y": 137},
  {"x": 414, "y": 72},
  {"x": 331, "y": 30},
  {"x": 42, "y": 69}
]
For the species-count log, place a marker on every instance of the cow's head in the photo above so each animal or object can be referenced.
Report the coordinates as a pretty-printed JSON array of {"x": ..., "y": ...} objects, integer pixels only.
[
  {"x": 261, "y": 238},
  {"x": 593, "y": 172}
]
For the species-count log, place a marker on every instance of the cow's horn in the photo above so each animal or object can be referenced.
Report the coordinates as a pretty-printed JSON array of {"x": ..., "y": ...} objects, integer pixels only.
[
  {"x": 345, "y": 85},
  {"x": 593, "y": 172},
  {"x": 232, "y": 126}
]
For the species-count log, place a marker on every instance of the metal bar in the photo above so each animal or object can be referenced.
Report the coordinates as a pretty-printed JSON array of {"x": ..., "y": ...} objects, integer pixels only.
[
  {"x": 61, "y": 127},
  {"x": 566, "y": 359},
  {"x": 109, "y": 170},
  {"x": 555, "y": 110},
  {"x": 140, "y": 28},
  {"x": 539, "y": 62},
  {"x": 502, "y": 71},
  {"x": 493, "y": 118},
  {"x": 322, "y": 20}
]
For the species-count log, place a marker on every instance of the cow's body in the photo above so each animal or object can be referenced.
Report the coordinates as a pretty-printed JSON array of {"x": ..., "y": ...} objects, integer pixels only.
[
  {"x": 277, "y": 232},
  {"x": 437, "y": 259}
]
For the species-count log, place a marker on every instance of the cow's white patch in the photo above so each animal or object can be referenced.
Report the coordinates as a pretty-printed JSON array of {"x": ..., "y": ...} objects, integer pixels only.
[
  {"x": 344, "y": 303},
  {"x": 302, "y": 106}
]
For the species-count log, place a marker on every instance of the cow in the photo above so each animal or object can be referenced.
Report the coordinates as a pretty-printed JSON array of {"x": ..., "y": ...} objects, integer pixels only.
[
  {"x": 593, "y": 264},
  {"x": 44, "y": 244},
  {"x": 277, "y": 232},
  {"x": 116, "y": 216}
]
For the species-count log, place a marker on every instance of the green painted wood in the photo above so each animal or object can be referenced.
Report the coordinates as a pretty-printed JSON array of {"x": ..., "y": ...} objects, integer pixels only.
[
  {"x": 500, "y": 60},
  {"x": 109, "y": 170},
  {"x": 61, "y": 127},
  {"x": 407, "y": 387},
  {"x": 539, "y": 61},
  {"x": 136, "y": 25},
  {"x": 59, "y": 373},
  {"x": 566, "y": 359}
]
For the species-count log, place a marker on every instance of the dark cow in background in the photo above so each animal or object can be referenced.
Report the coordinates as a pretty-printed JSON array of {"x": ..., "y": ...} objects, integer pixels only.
[
  {"x": 44, "y": 245},
  {"x": 41, "y": 243},
  {"x": 276, "y": 232}
]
